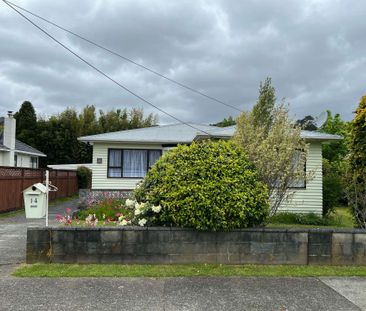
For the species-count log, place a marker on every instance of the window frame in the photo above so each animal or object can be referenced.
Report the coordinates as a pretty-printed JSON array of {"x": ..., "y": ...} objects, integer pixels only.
[
  {"x": 34, "y": 160},
  {"x": 121, "y": 166}
]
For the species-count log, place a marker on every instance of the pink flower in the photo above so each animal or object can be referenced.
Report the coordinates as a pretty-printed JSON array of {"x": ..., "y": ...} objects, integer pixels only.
[
  {"x": 59, "y": 217},
  {"x": 68, "y": 210}
]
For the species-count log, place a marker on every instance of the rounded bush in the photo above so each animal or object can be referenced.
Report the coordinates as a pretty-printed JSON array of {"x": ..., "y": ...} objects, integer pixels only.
[{"x": 207, "y": 186}]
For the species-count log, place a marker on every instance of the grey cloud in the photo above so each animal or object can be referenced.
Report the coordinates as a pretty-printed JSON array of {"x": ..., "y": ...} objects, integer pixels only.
[{"x": 313, "y": 50}]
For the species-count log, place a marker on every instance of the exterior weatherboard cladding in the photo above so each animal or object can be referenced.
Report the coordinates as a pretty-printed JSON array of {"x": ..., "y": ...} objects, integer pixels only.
[
  {"x": 100, "y": 180},
  {"x": 309, "y": 199},
  {"x": 303, "y": 200}
]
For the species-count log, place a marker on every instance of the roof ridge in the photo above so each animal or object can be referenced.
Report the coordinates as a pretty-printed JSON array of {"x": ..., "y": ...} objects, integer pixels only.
[{"x": 154, "y": 126}]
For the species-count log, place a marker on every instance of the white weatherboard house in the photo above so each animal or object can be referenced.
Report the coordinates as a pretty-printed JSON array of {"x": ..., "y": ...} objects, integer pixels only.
[
  {"x": 13, "y": 152},
  {"x": 121, "y": 159}
]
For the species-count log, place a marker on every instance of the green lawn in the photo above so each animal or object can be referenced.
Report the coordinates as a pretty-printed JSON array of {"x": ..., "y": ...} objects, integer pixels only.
[
  {"x": 109, "y": 270},
  {"x": 341, "y": 218}
]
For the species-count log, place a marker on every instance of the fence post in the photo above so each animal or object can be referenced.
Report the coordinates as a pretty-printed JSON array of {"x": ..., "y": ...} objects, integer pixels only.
[
  {"x": 68, "y": 184},
  {"x": 22, "y": 188}
]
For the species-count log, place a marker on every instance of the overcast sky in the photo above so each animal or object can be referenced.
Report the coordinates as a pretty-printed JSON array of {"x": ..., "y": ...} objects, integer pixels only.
[{"x": 315, "y": 52}]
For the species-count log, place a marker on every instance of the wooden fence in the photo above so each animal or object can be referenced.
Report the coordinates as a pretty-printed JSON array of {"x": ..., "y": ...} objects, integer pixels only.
[{"x": 13, "y": 180}]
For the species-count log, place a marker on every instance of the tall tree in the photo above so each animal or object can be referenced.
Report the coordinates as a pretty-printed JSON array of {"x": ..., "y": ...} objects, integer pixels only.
[
  {"x": 26, "y": 123},
  {"x": 274, "y": 145},
  {"x": 357, "y": 189},
  {"x": 337, "y": 150},
  {"x": 264, "y": 108}
]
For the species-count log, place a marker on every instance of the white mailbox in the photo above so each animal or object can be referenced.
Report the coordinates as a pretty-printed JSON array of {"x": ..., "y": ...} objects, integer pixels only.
[{"x": 35, "y": 201}]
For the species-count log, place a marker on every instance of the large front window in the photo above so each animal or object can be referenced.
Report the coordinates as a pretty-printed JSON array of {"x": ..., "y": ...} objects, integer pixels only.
[{"x": 132, "y": 163}]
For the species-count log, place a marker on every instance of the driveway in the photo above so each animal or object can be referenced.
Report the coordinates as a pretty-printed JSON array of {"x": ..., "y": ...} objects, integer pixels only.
[
  {"x": 13, "y": 232},
  {"x": 196, "y": 293}
]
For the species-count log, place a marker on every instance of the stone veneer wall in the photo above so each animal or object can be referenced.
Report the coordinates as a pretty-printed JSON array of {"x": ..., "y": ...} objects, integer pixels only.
[
  {"x": 88, "y": 196},
  {"x": 160, "y": 245}
]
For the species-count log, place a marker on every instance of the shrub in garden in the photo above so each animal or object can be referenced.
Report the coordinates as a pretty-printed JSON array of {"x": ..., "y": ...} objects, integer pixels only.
[
  {"x": 84, "y": 176},
  {"x": 112, "y": 212},
  {"x": 107, "y": 209},
  {"x": 207, "y": 186}
]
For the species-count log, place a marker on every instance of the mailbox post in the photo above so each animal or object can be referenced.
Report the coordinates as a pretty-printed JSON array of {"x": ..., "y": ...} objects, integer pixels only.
[{"x": 36, "y": 199}]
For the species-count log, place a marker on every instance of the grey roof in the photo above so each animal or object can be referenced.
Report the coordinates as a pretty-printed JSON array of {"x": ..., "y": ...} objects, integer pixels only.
[
  {"x": 24, "y": 148},
  {"x": 314, "y": 135},
  {"x": 182, "y": 133},
  {"x": 173, "y": 133},
  {"x": 20, "y": 147},
  {"x": 2, "y": 147}
]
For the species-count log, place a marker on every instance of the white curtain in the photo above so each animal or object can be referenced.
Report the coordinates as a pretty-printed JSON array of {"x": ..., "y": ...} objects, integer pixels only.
[
  {"x": 134, "y": 163},
  {"x": 115, "y": 157},
  {"x": 154, "y": 155}
]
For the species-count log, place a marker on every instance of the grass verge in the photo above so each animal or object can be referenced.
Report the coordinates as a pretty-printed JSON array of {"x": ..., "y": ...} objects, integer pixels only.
[{"x": 110, "y": 270}]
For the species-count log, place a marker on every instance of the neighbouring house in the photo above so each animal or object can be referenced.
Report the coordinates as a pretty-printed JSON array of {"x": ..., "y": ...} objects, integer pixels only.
[
  {"x": 121, "y": 159},
  {"x": 13, "y": 152}
]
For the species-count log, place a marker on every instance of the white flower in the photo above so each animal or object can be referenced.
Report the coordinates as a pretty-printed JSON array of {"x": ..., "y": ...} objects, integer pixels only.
[
  {"x": 137, "y": 205},
  {"x": 142, "y": 222},
  {"x": 142, "y": 205},
  {"x": 124, "y": 222},
  {"x": 130, "y": 203},
  {"x": 120, "y": 218},
  {"x": 156, "y": 209},
  {"x": 137, "y": 211}
]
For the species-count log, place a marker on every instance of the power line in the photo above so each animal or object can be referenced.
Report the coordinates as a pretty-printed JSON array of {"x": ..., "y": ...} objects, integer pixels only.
[
  {"x": 101, "y": 72},
  {"x": 187, "y": 87}
]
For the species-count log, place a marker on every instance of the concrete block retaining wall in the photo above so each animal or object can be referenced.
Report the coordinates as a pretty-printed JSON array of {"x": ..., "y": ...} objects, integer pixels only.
[{"x": 159, "y": 245}]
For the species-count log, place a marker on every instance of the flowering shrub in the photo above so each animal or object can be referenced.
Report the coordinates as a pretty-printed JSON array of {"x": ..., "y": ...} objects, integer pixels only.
[
  {"x": 206, "y": 186},
  {"x": 107, "y": 210},
  {"x": 95, "y": 198},
  {"x": 91, "y": 220},
  {"x": 65, "y": 219},
  {"x": 114, "y": 212}
]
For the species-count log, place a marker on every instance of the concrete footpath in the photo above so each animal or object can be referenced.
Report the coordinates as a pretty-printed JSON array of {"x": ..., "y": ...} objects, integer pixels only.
[{"x": 196, "y": 293}]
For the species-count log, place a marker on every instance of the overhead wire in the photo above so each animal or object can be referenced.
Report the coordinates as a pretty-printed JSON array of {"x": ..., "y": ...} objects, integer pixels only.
[
  {"x": 187, "y": 87},
  {"x": 103, "y": 73}
]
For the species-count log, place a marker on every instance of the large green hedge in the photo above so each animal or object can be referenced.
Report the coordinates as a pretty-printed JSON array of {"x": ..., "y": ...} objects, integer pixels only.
[{"x": 207, "y": 186}]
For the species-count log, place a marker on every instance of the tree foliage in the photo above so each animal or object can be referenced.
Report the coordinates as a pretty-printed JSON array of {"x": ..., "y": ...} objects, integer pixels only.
[
  {"x": 336, "y": 151},
  {"x": 264, "y": 108},
  {"x": 57, "y": 136},
  {"x": 206, "y": 186},
  {"x": 273, "y": 144},
  {"x": 307, "y": 123},
  {"x": 26, "y": 123},
  {"x": 226, "y": 122},
  {"x": 334, "y": 160},
  {"x": 357, "y": 185}
]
